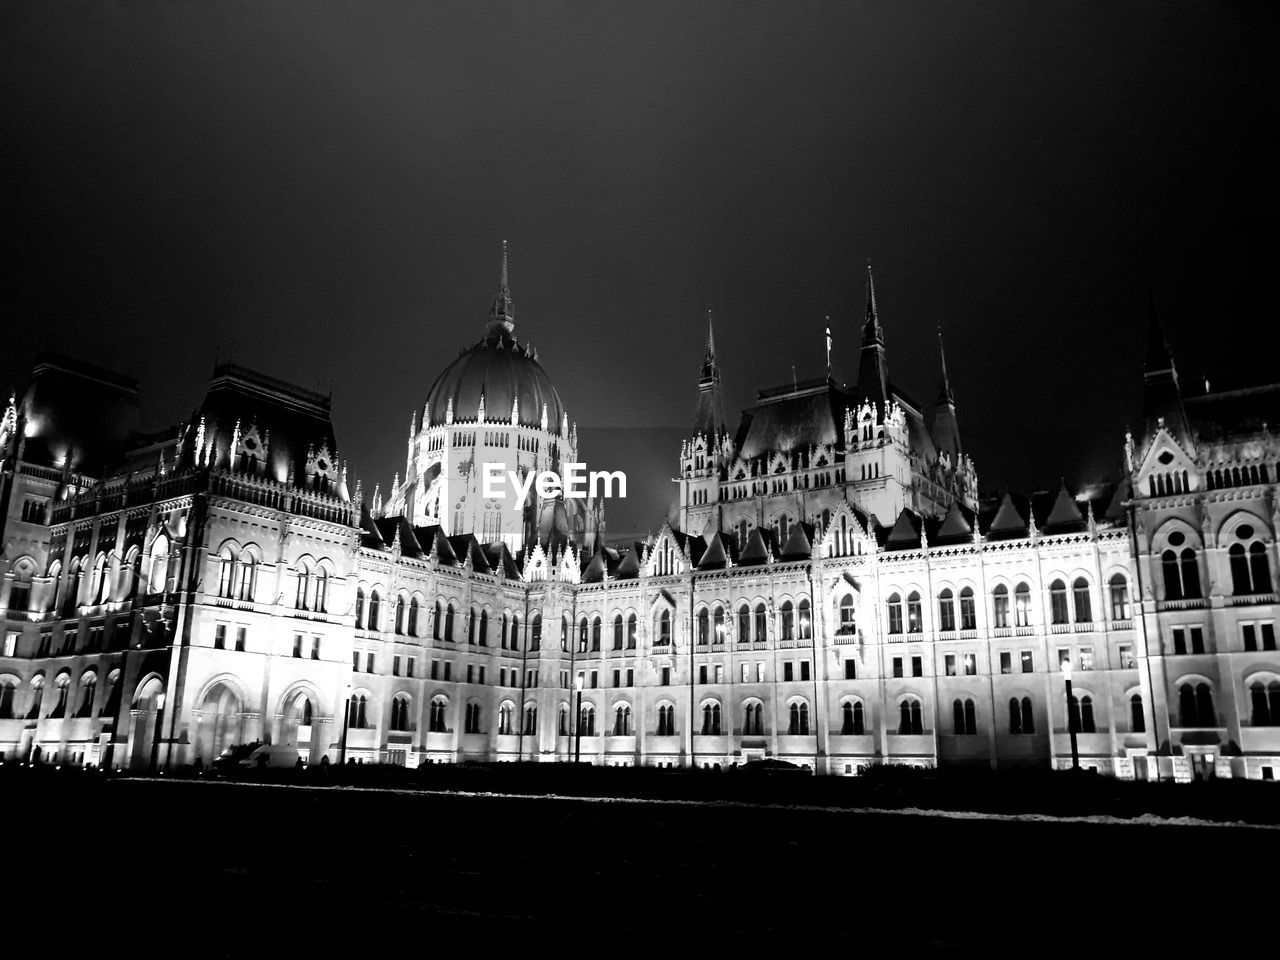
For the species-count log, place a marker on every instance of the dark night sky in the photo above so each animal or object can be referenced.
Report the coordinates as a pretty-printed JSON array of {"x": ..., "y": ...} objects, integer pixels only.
[{"x": 327, "y": 185}]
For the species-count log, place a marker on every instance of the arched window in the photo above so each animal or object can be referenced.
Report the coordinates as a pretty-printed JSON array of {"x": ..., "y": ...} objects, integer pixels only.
[
  {"x": 798, "y": 724},
  {"x": 448, "y": 622},
  {"x": 631, "y": 631},
  {"x": 848, "y": 616},
  {"x": 968, "y": 615},
  {"x": 100, "y": 584},
  {"x": 226, "y": 572},
  {"x": 484, "y": 628},
  {"x": 617, "y": 632},
  {"x": 358, "y": 712},
  {"x": 1000, "y": 606},
  {"x": 514, "y": 638},
  {"x": 304, "y": 586},
  {"x": 400, "y": 615},
  {"x": 322, "y": 586},
  {"x": 703, "y": 628},
  {"x": 1022, "y": 604},
  {"x": 851, "y": 723},
  {"x": 504, "y": 719},
  {"x": 787, "y": 620},
  {"x": 1015, "y": 715},
  {"x": 711, "y": 719},
  {"x": 1204, "y": 706},
  {"x": 587, "y": 720},
  {"x": 664, "y": 628},
  {"x": 1137, "y": 721},
  {"x": 531, "y": 719},
  {"x": 400, "y": 712},
  {"x": 761, "y": 626},
  {"x": 895, "y": 613},
  {"x": 88, "y": 685},
  {"x": 595, "y": 634},
  {"x": 915, "y": 621},
  {"x": 437, "y": 621},
  {"x": 744, "y": 623},
  {"x": 964, "y": 717},
  {"x": 471, "y": 719},
  {"x": 909, "y": 720},
  {"x": 583, "y": 628},
  {"x": 753, "y": 719},
  {"x": 436, "y": 717},
  {"x": 622, "y": 720},
  {"x": 1086, "y": 715},
  {"x": 158, "y": 579},
  {"x": 1058, "y": 602},
  {"x": 1265, "y": 704},
  {"x": 359, "y": 607},
  {"x": 8, "y": 690},
  {"x": 375, "y": 611},
  {"x": 473, "y": 620},
  {"x": 535, "y": 632},
  {"x": 1080, "y": 595},
  {"x": 248, "y": 580},
  {"x": 946, "y": 611},
  {"x": 1118, "y": 588},
  {"x": 804, "y": 622},
  {"x": 717, "y": 624},
  {"x": 414, "y": 608},
  {"x": 1190, "y": 574}
]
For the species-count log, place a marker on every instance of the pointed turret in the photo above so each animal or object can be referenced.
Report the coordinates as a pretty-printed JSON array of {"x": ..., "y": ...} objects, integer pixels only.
[
  {"x": 710, "y": 417},
  {"x": 1161, "y": 397},
  {"x": 946, "y": 430},
  {"x": 873, "y": 367},
  {"x": 501, "y": 313}
]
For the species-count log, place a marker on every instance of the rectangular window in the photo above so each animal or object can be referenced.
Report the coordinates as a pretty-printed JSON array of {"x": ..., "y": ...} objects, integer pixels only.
[
  {"x": 435, "y": 669},
  {"x": 1006, "y": 661},
  {"x": 631, "y": 677},
  {"x": 297, "y": 645},
  {"x": 702, "y": 674},
  {"x": 448, "y": 669},
  {"x": 395, "y": 665},
  {"x": 617, "y": 678},
  {"x": 719, "y": 673},
  {"x": 917, "y": 666},
  {"x": 897, "y": 666},
  {"x": 1064, "y": 657},
  {"x": 746, "y": 673},
  {"x": 788, "y": 671},
  {"x": 666, "y": 676},
  {"x": 1086, "y": 658},
  {"x": 409, "y": 668},
  {"x": 582, "y": 680},
  {"x": 1028, "y": 662},
  {"x": 804, "y": 669},
  {"x": 1180, "y": 640},
  {"x": 595, "y": 679},
  {"x": 220, "y": 637},
  {"x": 482, "y": 673},
  {"x": 851, "y": 669},
  {"x": 759, "y": 673},
  {"x": 241, "y": 634},
  {"x": 1250, "y": 634},
  {"x": 470, "y": 672},
  {"x": 355, "y": 659},
  {"x": 949, "y": 665},
  {"x": 970, "y": 664},
  {"x": 368, "y": 662},
  {"x": 1268, "y": 636},
  {"x": 1197, "y": 639},
  {"x": 1127, "y": 662},
  {"x": 315, "y": 648},
  {"x": 502, "y": 676}
]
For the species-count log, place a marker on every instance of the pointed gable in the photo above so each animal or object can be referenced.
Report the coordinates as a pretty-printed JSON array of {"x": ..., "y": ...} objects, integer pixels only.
[
  {"x": 756, "y": 551},
  {"x": 905, "y": 533},
  {"x": 629, "y": 564},
  {"x": 799, "y": 545},
  {"x": 1065, "y": 516},
  {"x": 1007, "y": 523},
  {"x": 957, "y": 525},
  {"x": 714, "y": 557}
]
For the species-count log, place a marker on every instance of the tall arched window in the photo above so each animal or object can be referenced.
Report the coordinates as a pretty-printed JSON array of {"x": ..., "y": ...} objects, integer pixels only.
[
  {"x": 964, "y": 717},
  {"x": 535, "y": 632},
  {"x": 226, "y": 573},
  {"x": 664, "y": 628},
  {"x": 359, "y": 606},
  {"x": 595, "y": 633},
  {"x": 753, "y": 719},
  {"x": 587, "y": 720},
  {"x": 1137, "y": 721},
  {"x": 531, "y": 719},
  {"x": 448, "y": 622},
  {"x": 1190, "y": 574},
  {"x": 910, "y": 720},
  {"x": 1118, "y": 588},
  {"x": 744, "y": 623},
  {"x": 761, "y": 625},
  {"x": 895, "y": 613},
  {"x": 400, "y": 615},
  {"x": 848, "y": 616},
  {"x": 436, "y": 717},
  {"x": 704, "y": 627},
  {"x": 1058, "y": 602},
  {"x": 1015, "y": 715},
  {"x": 400, "y": 712},
  {"x": 717, "y": 624},
  {"x": 798, "y": 724},
  {"x": 504, "y": 719},
  {"x": 514, "y": 638},
  {"x": 1204, "y": 706},
  {"x": 631, "y": 631},
  {"x": 304, "y": 586},
  {"x": 158, "y": 579},
  {"x": 375, "y": 611},
  {"x": 8, "y": 690},
  {"x": 1022, "y": 604},
  {"x": 915, "y": 620},
  {"x": 322, "y": 586},
  {"x": 804, "y": 621},
  {"x": 968, "y": 614},
  {"x": 1000, "y": 606},
  {"x": 946, "y": 611},
  {"x": 711, "y": 719},
  {"x": 851, "y": 719},
  {"x": 1086, "y": 715},
  {"x": 484, "y": 628},
  {"x": 414, "y": 608},
  {"x": 101, "y": 583},
  {"x": 617, "y": 632},
  {"x": 1080, "y": 596},
  {"x": 787, "y": 618},
  {"x": 437, "y": 621}
]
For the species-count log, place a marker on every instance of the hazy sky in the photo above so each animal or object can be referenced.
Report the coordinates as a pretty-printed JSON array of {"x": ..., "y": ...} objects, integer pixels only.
[{"x": 327, "y": 185}]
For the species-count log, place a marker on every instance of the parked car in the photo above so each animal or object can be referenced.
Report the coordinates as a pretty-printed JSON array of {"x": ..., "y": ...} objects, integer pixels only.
[
  {"x": 271, "y": 755},
  {"x": 772, "y": 765},
  {"x": 229, "y": 760}
]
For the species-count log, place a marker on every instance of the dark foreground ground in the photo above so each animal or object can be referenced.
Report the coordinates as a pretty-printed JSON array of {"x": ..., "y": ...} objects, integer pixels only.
[{"x": 246, "y": 870}]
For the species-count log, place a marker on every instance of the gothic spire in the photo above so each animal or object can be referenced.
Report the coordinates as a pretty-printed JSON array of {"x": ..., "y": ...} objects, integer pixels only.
[
  {"x": 944, "y": 384},
  {"x": 1161, "y": 396},
  {"x": 946, "y": 429},
  {"x": 710, "y": 417},
  {"x": 873, "y": 368},
  {"x": 501, "y": 312}
]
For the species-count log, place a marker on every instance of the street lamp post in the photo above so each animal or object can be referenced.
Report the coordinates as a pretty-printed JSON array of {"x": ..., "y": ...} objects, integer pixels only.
[
  {"x": 577, "y": 727},
  {"x": 155, "y": 736},
  {"x": 346, "y": 718},
  {"x": 1071, "y": 715}
]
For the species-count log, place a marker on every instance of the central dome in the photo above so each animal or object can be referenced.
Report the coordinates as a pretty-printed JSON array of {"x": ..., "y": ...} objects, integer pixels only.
[{"x": 499, "y": 370}]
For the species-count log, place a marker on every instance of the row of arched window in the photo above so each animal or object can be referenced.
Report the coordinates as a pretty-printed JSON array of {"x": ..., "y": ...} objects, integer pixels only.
[
  {"x": 67, "y": 705},
  {"x": 1248, "y": 475},
  {"x": 1066, "y": 605}
]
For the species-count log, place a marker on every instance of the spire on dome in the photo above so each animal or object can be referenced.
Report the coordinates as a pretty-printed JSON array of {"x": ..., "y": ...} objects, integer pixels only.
[
  {"x": 709, "y": 419},
  {"x": 501, "y": 312},
  {"x": 944, "y": 385},
  {"x": 873, "y": 367},
  {"x": 1162, "y": 396},
  {"x": 946, "y": 430}
]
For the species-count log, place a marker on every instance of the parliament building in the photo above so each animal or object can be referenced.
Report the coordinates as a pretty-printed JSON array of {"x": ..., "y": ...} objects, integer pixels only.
[{"x": 834, "y": 593}]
